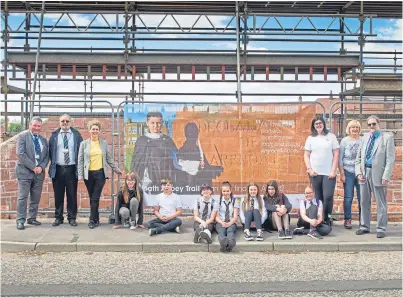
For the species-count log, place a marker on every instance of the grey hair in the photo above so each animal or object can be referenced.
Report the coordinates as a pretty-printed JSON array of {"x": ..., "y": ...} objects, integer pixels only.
[
  {"x": 38, "y": 119},
  {"x": 65, "y": 115},
  {"x": 378, "y": 120}
]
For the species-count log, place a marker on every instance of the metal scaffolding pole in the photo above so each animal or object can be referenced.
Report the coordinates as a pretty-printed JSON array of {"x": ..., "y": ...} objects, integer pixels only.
[
  {"x": 31, "y": 112},
  {"x": 5, "y": 65},
  {"x": 238, "y": 58},
  {"x": 361, "y": 43}
]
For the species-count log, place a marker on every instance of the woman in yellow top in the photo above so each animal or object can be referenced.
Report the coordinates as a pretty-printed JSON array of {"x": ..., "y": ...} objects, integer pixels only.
[{"x": 92, "y": 159}]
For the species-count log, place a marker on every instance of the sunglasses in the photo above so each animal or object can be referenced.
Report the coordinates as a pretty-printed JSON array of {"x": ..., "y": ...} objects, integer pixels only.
[
  {"x": 372, "y": 124},
  {"x": 65, "y": 121}
]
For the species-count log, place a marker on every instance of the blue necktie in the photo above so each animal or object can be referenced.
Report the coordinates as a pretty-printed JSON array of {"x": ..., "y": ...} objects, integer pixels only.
[
  {"x": 37, "y": 147},
  {"x": 370, "y": 149}
]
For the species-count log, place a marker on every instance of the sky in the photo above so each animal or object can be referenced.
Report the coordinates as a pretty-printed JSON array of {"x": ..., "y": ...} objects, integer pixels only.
[{"x": 387, "y": 29}]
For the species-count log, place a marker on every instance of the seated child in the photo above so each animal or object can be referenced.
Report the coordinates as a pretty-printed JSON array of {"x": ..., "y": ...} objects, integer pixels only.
[
  {"x": 203, "y": 215},
  {"x": 252, "y": 210},
  {"x": 167, "y": 210},
  {"x": 311, "y": 217},
  {"x": 226, "y": 215}
]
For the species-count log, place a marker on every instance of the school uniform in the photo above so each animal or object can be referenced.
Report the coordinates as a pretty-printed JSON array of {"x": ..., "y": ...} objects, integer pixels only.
[
  {"x": 225, "y": 211},
  {"x": 312, "y": 208},
  {"x": 205, "y": 208},
  {"x": 252, "y": 213}
]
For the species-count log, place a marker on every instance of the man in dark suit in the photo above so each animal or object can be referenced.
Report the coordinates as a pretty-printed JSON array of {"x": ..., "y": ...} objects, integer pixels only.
[
  {"x": 32, "y": 153},
  {"x": 64, "y": 145}
]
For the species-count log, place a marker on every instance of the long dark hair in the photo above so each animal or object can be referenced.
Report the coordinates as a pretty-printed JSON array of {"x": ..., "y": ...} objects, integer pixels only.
[
  {"x": 277, "y": 198},
  {"x": 313, "y": 130}
]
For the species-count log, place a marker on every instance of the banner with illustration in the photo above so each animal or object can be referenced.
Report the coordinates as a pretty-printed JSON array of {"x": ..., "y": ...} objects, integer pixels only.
[{"x": 193, "y": 144}]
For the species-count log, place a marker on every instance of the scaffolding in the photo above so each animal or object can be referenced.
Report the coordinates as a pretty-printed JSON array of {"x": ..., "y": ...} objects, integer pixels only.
[{"x": 166, "y": 42}]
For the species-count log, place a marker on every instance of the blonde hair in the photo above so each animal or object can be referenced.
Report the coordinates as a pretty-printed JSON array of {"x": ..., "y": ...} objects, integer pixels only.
[
  {"x": 94, "y": 123},
  {"x": 352, "y": 123},
  {"x": 247, "y": 199}
]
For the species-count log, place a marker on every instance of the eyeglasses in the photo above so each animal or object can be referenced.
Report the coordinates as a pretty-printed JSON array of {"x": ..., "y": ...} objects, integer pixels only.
[
  {"x": 372, "y": 124},
  {"x": 318, "y": 124},
  {"x": 65, "y": 121}
]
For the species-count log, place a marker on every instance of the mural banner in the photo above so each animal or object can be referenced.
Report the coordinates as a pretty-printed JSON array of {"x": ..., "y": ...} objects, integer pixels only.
[{"x": 193, "y": 144}]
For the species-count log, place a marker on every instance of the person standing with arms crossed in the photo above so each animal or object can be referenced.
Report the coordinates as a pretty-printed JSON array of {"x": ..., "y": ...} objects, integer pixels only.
[{"x": 63, "y": 153}]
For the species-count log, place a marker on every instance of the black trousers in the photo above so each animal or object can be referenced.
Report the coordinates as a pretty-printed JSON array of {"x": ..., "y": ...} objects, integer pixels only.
[
  {"x": 324, "y": 191},
  {"x": 95, "y": 183},
  {"x": 65, "y": 181}
]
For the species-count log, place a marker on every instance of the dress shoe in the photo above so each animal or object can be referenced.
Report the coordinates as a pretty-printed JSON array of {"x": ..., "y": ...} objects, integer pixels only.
[
  {"x": 20, "y": 226},
  {"x": 57, "y": 223},
  {"x": 97, "y": 224},
  {"x": 380, "y": 234},
  {"x": 91, "y": 225},
  {"x": 361, "y": 232},
  {"x": 33, "y": 222},
  {"x": 73, "y": 222}
]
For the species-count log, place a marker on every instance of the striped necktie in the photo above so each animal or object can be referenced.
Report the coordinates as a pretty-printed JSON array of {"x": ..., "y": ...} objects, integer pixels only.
[
  {"x": 227, "y": 212},
  {"x": 66, "y": 146},
  {"x": 252, "y": 204},
  {"x": 205, "y": 211}
]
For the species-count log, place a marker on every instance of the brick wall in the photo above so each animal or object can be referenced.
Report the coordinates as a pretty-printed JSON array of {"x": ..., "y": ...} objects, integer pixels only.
[{"x": 8, "y": 183}]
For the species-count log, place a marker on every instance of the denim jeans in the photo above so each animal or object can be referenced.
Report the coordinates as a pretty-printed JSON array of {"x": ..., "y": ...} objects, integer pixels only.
[
  {"x": 164, "y": 226},
  {"x": 351, "y": 182}
]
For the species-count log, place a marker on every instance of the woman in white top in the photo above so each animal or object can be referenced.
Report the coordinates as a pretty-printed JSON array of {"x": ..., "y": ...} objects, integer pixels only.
[
  {"x": 321, "y": 159},
  {"x": 252, "y": 212}
]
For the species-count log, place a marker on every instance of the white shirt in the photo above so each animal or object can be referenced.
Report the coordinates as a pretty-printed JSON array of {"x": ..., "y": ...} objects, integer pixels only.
[
  {"x": 307, "y": 202},
  {"x": 222, "y": 208},
  {"x": 256, "y": 206},
  {"x": 321, "y": 148},
  {"x": 60, "y": 148},
  {"x": 168, "y": 204}
]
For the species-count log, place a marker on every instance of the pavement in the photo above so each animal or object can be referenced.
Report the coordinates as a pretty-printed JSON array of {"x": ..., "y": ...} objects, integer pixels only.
[{"x": 66, "y": 238}]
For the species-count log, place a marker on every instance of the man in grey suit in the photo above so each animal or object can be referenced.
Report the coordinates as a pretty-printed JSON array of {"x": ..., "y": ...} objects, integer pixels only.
[
  {"x": 32, "y": 153},
  {"x": 373, "y": 167}
]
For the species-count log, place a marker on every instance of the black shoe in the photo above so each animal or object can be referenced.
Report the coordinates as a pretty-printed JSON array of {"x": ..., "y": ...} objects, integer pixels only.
[
  {"x": 299, "y": 231},
  {"x": 97, "y": 223},
  {"x": 152, "y": 231},
  {"x": 224, "y": 245},
  {"x": 91, "y": 225},
  {"x": 33, "y": 222},
  {"x": 20, "y": 226},
  {"x": 73, "y": 222},
  {"x": 206, "y": 235},
  {"x": 361, "y": 232},
  {"x": 57, "y": 223},
  {"x": 380, "y": 234},
  {"x": 196, "y": 237},
  {"x": 281, "y": 234}
]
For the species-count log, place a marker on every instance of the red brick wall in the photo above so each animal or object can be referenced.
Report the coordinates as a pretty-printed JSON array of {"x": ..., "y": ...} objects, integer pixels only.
[{"x": 8, "y": 183}]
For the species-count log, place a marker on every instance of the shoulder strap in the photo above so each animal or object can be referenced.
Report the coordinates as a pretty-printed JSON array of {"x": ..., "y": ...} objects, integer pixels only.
[
  {"x": 198, "y": 204},
  {"x": 233, "y": 201},
  {"x": 212, "y": 204},
  {"x": 220, "y": 201}
]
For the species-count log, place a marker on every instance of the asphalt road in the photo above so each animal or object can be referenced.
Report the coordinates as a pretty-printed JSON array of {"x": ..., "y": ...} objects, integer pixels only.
[{"x": 194, "y": 274}]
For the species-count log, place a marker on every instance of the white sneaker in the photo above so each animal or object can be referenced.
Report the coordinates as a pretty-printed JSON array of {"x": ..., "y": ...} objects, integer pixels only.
[
  {"x": 132, "y": 225},
  {"x": 177, "y": 230}
]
